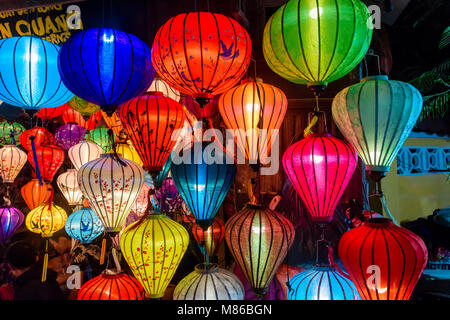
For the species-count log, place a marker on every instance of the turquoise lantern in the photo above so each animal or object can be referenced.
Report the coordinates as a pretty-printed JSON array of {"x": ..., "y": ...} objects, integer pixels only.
[{"x": 84, "y": 225}]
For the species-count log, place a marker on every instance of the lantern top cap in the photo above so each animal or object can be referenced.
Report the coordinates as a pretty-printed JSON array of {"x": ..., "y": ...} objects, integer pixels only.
[
  {"x": 110, "y": 155},
  {"x": 252, "y": 79},
  {"x": 370, "y": 78},
  {"x": 378, "y": 222},
  {"x": 206, "y": 268}
]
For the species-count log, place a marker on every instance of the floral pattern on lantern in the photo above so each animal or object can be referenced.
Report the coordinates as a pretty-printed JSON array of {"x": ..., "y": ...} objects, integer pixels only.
[
  {"x": 50, "y": 158},
  {"x": 46, "y": 219},
  {"x": 36, "y": 194},
  {"x": 68, "y": 184},
  {"x": 84, "y": 152},
  {"x": 69, "y": 135},
  {"x": 84, "y": 225},
  {"x": 10, "y": 220},
  {"x": 12, "y": 160}
]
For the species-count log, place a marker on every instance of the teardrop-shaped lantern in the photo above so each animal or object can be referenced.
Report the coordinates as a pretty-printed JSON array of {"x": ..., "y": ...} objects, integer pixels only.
[
  {"x": 259, "y": 240},
  {"x": 36, "y": 194},
  {"x": 50, "y": 113},
  {"x": 211, "y": 237},
  {"x": 68, "y": 184},
  {"x": 49, "y": 158},
  {"x": 376, "y": 116},
  {"x": 10, "y": 220},
  {"x": 82, "y": 106},
  {"x": 383, "y": 260},
  {"x": 111, "y": 185},
  {"x": 84, "y": 152},
  {"x": 320, "y": 167},
  {"x": 84, "y": 225},
  {"x": 41, "y": 136},
  {"x": 12, "y": 160},
  {"x": 7, "y": 128},
  {"x": 159, "y": 85},
  {"x": 141, "y": 203},
  {"x": 208, "y": 110},
  {"x": 46, "y": 219},
  {"x": 128, "y": 152},
  {"x": 69, "y": 135},
  {"x": 209, "y": 282},
  {"x": 153, "y": 248},
  {"x": 101, "y": 137}
]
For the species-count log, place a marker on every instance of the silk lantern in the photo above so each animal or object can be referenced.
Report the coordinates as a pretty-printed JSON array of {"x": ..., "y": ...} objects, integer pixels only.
[
  {"x": 12, "y": 160},
  {"x": 41, "y": 136},
  {"x": 50, "y": 113},
  {"x": 84, "y": 225},
  {"x": 113, "y": 122},
  {"x": 68, "y": 184},
  {"x": 105, "y": 66},
  {"x": 376, "y": 116},
  {"x": 49, "y": 159},
  {"x": 101, "y": 137},
  {"x": 10, "y": 130},
  {"x": 208, "y": 110},
  {"x": 140, "y": 205},
  {"x": 201, "y": 53},
  {"x": 35, "y": 194},
  {"x": 316, "y": 42},
  {"x": 159, "y": 85},
  {"x": 69, "y": 135},
  {"x": 29, "y": 73},
  {"x": 111, "y": 184},
  {"x": 259, "y": 240},
  {"x": 69, "y": 115},
  {"x": 211, "y": 237},
  {"x": 84, "y": 152},
  {"x": 10, "y": 220},
  {"x": 321, "y": 283},
  {"x": 153, "y": 248},
  {"x": 383, "y": 260},
  {"x": 320, "y": 167},
  {"x": 209, "y": 282},
  {"x": 128, "y": 152},
  {"x": 82, "y": 106}
]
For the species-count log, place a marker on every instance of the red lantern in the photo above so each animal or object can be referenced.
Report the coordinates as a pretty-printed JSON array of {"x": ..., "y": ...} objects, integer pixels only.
[
  {"x": 211, "y": 237},
  {"x": 149, "y": 122},
  {"x": 36, "y": 194},
  {"x": 383, "y": 260},
  {"x": 50, "y": 158},
  {"x": 320, "y": 167},
  {"x": 41, "y": 136},
  {"x": 50, "y": 113},
  {"x": 72, "y": 116},
  {"x": 209, "y": 110}
]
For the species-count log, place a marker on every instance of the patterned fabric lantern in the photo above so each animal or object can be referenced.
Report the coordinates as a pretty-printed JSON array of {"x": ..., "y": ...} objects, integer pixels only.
[
  {"x": 69, "y": 135},
  {"x": 383, "y": 260},
  {"x": 105, "y": 66},
  {"x": 255, "y": 106},
  {"x": 84, "y": 225},
  {"x": 49, "y": 158},
  {"x": 320, "y": 167},
  {"x": 82, "y": 106},
  {"x": 101, "y": 137},
  {"x": 209, "y": 110},
  {"x": 7, "y": 128},
  {"x": 127, "y": 152},
  {"x": 201, "y": 53},
  {"x": 10, "y": 220},
  {"x": 211, "y": 237},
  {"x": 322, "y": 283},
  {"x": 391, "y": 109},
  {"x": 310, "y": 42},
  {"x": 113, "y": 122},
  {"x": 153, "y": 248},
  {"x": 140, "y": 205},
  {"x": 259, "y": 240},
  {"x": 12, "y": 160},
  {"x": 41, "y": 136},
  {"x": 29, "y": 73},
  {"x": 111, "y": 185},
  {"x": 150, "y": 122},
  {"x": 50, "y": 113},
  {"x": 46, "y": 219},
  {"x": 84, "y": 152},
  {"x": 209, "y": 282},
  {"x": 159, "y": 85},
  {"x": 36, "y": 194},
  {"x": 68, "y": 184}
]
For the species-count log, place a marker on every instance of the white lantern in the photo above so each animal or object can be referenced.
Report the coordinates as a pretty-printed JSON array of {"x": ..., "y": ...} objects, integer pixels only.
[
  {"x": 84, "y": 152},
  {"x": 161, "y": 86},
  {"x": 68, "y": 184},
  {"x": 12, "y": 160}
]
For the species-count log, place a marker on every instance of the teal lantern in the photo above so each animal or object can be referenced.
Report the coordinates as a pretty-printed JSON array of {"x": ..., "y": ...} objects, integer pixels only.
[{"x": 84, "y": 225}]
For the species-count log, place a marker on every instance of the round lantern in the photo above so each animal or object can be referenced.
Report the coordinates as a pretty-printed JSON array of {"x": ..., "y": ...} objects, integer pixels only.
[
  {"x": 316, "y": 42},
  {"x": 201, "y": 53},
  {"x": 111, "y": 185},
  {"x": 46, "y": 219},
  {"x": 111, "y": 286},
  {"x": 41, "y": 136},
  {"x": 50, "y": 113},
  {"x": 84, "y": 225},
  {"x": 68, "y": 184},
  {"x": 321, "y": 283},
  {"x": 151, "y": 122},
  {"x": 10, "y": 220},
  {"x": 259, "y": 240},
  {"x": 35, "y": 194},
  {"x": 153, "y": 248},
  {"x": 69, "y": 135},
  {"x": 258, "y": 107},
  {"x": 127, "y": 152},
  {"x": 6, "y": 129},
  {"x": 101, "y": 137},
  {"x": 140, "y": 205},
  {"x": 113, "y": 122},
  {"x": 376, "y": 116},
  {"x": 383, "y": 260},
  {"x": 209, "y": 110},
  {"x": 29, "y": 73},
  {"x": 82, "y": 106},
  {"x": 320, "y": 167},
  {"x": 105, "y": 66},
  {"x": 12, "y": 160},
  {"x": 159, "y": 85},
  {"x": 204, "y": 186},
  {"x": 49, "y": 159},
  {"x": 84, "y": 152},
  {"x": 209, "y": 282},
  {"x": 211, "y": 237}
]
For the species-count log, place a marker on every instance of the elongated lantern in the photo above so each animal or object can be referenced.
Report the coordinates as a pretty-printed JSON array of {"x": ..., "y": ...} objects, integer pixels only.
[
  {"x": 259, "y": 240},
  {"x": 10, "y": 220},
  {"x": 12, "y": 160},
  {"x": 49, "y": 158},
  {"x": 153, "y": 248},
  {"x": 84, "y": 152},
  {"x": 211, "y": 237},
  {"x": 69, "y": 135},
  {"x": 320, "y": 167},
  {"x": 316, "y": 42},
  {"x": 159, "y": 85},
  {"x": 376, "y": 116},
  {"x": 84, "y": 225},
  {"x": 111, "y": 185},
  {"x": 128, "y": 152},
  {"x": 68, "y": 184},
  {"x": 7, "y": 128},
  {"x": 41, "y": 136},
  {"x": 36, "y": 194},
  {"x": 383, "y": 260}
]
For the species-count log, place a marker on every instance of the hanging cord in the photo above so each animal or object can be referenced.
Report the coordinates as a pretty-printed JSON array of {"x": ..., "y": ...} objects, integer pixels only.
[
  {"x": 204, "y": 251},
  {"x": 116, "y": 260},
  {"x": 45, "y": 263},
  {"x": 13, "y": 139},
  {"x": 112, "y": 142},
  {"x": 35, "y": 158},
  {"x": 103, "y": 250},
  {"x": 380, "y": 195}
]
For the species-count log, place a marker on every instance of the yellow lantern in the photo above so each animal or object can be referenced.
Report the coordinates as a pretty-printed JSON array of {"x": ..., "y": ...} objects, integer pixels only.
[
  {"x": 84, "y": 152},
  {"x": 68, "y": 184},
  {"x": 12, "y": 160},
  {"x": 127, "y": 152}
]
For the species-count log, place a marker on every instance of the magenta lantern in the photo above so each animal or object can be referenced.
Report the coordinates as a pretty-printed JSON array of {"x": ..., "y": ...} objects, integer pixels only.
[{"x": 69, "y": 135}]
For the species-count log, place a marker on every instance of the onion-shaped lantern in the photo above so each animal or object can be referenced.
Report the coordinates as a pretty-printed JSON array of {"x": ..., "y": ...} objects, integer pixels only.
[
  {"x": 208, "y": 110},
  {"x": 12, "y": 160},
  {"x": 36, "y": 194},
  {"x": 69, "y": 135},
  {"x": 113, "y": 122},
  {"x": 68, "y": 184},
  {"x": 7, "y": 129},
  {"x": 101, "y": 137},
  {"x": 111, "y": 185},
  {"x": 105, "y": 66},
  {"x": 82, "y": 106},
  {"x": 49, "y": 159},
  {"x": 50, "y": 113},
  {"x": 201, "y": 53},
  {"x": 41, "y": 136},
  {"x": 153, "y": 248},
  {"x": 259, "y": 240},
  {"x": 159, "y": 85},
  {"x": 29, "y": 73},
  {"x": 320, "y": 167},
  {"x": 141, "y": 203},
  {"x": 10, "y": 220},
  {"x": 128, "y": 152},
  {"x": 211, "y": 237},
  {"x": 84, "y": 225},
  {"x": 111, "y": 286},
  {"x": 46, "y": 219},
  {"x": 84, "y": 152},
  {"x": 383, "y": 260},
  {"x": 316, "y": 42},
  {"x": 209, "y": 282},
  {"x": 321, "y": 283}
]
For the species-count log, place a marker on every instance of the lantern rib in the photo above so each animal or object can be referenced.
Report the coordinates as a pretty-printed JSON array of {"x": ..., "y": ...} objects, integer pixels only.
[
  {"x": 15, "y": 71},
  {"x": 218, "y": 51},
  {"x": 137, "y": 269},
  {"x": 240, "y": 257},
  {"x": 389, "y": 264},
  {"x": 3, "y": 82},
  {"x": 130, "y": 42},
  {"x": 361, "y": 124},
  {"x": 387, "y": 125},
  {"x": 309, "y": 200},
  {"x": 369, "y": 237},
  {"x": 45, "y": 77},
  {"x": 335, "y": 41},
  {"x": 234, "y": 56}
]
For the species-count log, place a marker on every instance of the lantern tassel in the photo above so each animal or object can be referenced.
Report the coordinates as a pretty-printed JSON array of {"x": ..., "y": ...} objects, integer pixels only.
[
  {"x": 116, "y": 260},
  {"x": 102, "y": 254},
  {"x": 45, "y": 263},
  {"x": 36, "y": 164},
  {"x": 308, "y": 130}
]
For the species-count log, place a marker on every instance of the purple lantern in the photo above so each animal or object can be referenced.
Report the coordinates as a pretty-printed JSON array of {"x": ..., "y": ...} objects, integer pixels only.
[
  {"x": 168, "y": 194},
  {"x": 10, "y": 220},
  {"x": 69, "y": 135}
]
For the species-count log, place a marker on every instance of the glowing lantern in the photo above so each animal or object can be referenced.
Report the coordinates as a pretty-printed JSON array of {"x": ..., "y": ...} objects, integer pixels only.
[
  {"x": 29, "y": 73},
  {"x": 259, "y": 240},
  {"x": 111, "y": 185},
  {"x": 258, "y": 107},
  {"x": 209, "y": 282},
  {"x": 46, "y": 219},
  {"x": 7, "y": 129},
  {"x": 113, "y": 122},
  {"x": 49, "y": 158},
  {"x": 201, "y": 53},
  {"x": 41, "y": 136},
  {"x": 82, "y": 106},
  {"x": 159, "y": 85},
  {"x": 150, "y": 121},
  {"x": 50, "y": 113},
  {"x": 127, "y": 152},
  {"x": 376, "y": 116},
  {"x": 105, "y": 66},
  {"x": 68, "y": 184},
  {"x": 211, "y": 237},
  {"x": 84, "y": 225},
  {"x": 10, "y": 220},
  {"x": 164, "y": 172},
  {"x": 69, "y": 115},
  {"x": 36, "y": 194},
  {"x": 320, "y": 167},
  {"x": 309, "y": 41},
  {"x": 141, "y": 203},
  {"x": 84, "y": 152},
  {"x": 209, "y": 110},
  {"x": 396, "y": 255},
  {"x": 12, "y": 160},
  {"x": 153, "y": 248},
  {"x": 321, "y": 283},
  {"x": 69, "y": 135},
  {"x": 101, "y": 137}
]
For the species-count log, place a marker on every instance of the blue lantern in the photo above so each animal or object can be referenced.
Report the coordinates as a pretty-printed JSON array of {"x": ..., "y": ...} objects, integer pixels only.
[
  {"x": 84, "y": 225},
  {"x": 106, "y": 66},
  {"x": 203, "y": 186},
  {"x": 29, "y": 76},
  {"x": 322, "y": 283}
]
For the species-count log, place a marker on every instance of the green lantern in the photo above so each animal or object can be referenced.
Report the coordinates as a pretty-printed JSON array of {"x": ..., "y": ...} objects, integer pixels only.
[
  {"x": 5, "y": 132},
  {"x": 315, "y": 42},
  {"x": 376, "y": 116},
  {"x": 82, "y": 106},
  {"x": 101, "y": 136}
]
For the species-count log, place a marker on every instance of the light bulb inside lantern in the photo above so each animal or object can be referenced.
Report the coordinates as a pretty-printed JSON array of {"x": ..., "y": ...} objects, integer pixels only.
[
  {"x": 313, "y": 12},
  {"x": 316, "y": 158}
]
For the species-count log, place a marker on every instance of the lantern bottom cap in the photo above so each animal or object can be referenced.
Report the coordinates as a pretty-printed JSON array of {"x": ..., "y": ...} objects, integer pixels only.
[
  {"x": 204, "y": 224},
  {"x": 378, "y": 77},
  {"x": 377, "y": 168},
  {"x": 154, "y": 295}
]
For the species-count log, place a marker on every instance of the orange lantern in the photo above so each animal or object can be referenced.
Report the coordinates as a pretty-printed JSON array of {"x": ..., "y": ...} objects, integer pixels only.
[
  {"x": 211, "y": 237},
  {"x": 113, "y": 122},
  {"x": 41, "y": 136},
  {"x": 70, "y": 115},
  {"x": 35, "y": 194},
  {"x": 49, "y": 159}
]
